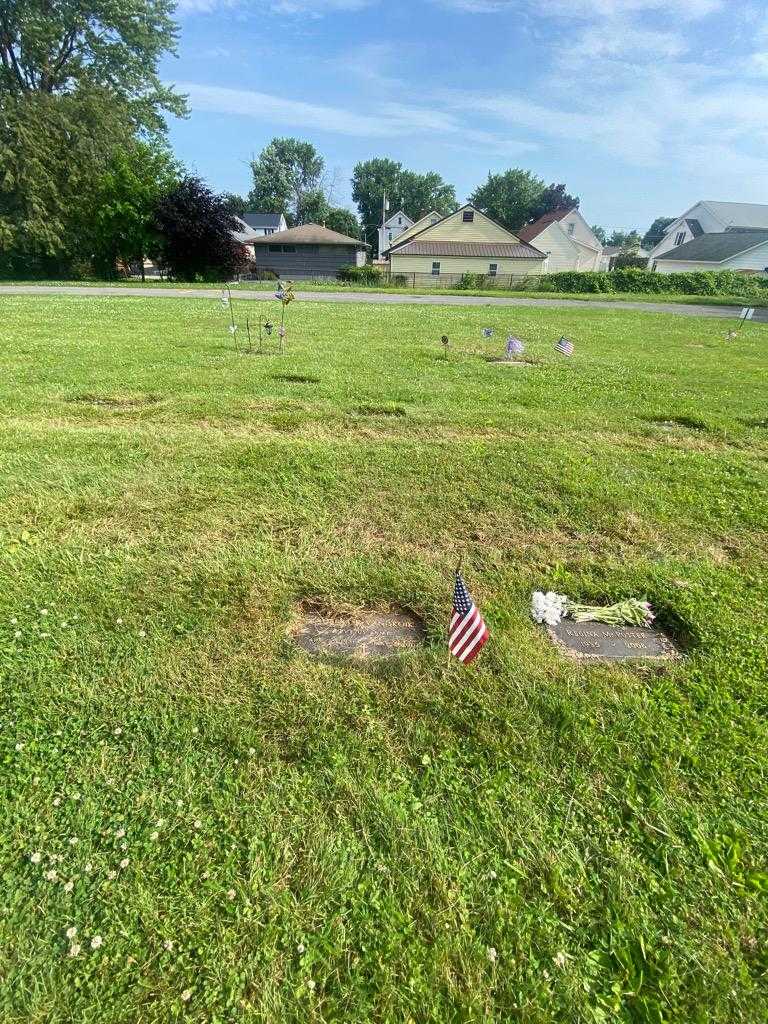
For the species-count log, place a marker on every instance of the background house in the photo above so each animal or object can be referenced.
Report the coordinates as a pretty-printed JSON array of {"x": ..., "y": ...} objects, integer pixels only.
[
  {"x": 265, "y": 223},
  {"x": 465, "y": 242},
  {"x": 308, "y": 251},
  {"x": 567, "y": 239},
  {"x": 741, "y": 249},
  {"x": 610, "y": 252},
  {"x": 392, "y": 228},
  {"x": 708, "y": 217}
]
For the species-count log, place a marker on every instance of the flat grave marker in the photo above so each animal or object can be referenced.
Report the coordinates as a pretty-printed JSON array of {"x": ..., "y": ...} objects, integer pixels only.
[
  {"x": 602, "y": 642},
  {"x": 367, "y": 634}
]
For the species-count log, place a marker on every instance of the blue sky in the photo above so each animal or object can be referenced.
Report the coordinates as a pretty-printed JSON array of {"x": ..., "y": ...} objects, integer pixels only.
[{"x": 641, "y": 107}]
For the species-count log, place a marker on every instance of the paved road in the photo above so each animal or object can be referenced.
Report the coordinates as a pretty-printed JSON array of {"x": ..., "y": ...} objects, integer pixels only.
[{"x": 386, "y": 298}]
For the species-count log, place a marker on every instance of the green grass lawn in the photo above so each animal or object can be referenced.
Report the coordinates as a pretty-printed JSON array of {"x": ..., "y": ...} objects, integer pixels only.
[
  {"x": 257, "y": 836},
  {"x": 340, "y": 286}
]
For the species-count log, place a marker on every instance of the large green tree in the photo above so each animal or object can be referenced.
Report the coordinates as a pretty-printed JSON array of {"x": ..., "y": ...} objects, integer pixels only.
[
  {"x": 414, "y": 193},
  {"x": 118, "y": 222},
  {"x": 78, "y": 80},
  {"x": 285, "y": 174},
  {"x": 344, "y": 221},
  {"x": 554, "y": 197},
  {"x": 511, "y": 198}
]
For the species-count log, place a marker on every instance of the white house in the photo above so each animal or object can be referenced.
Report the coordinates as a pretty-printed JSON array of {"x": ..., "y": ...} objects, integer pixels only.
[
  {"x": 741, "y": 249},
  {"x": 708, "y": 217},
  {"x": 265, "y": 223},
  {"x": 566, "y": 238},
  {"x": 392, "y": 228}
]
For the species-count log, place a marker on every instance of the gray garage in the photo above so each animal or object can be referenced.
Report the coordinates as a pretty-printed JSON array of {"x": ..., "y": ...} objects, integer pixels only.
[{"x": 307, "y": 251}]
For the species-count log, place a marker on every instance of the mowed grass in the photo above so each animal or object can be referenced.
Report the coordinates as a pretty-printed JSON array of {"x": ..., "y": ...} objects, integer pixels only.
[{"x": 257, "y": 836}]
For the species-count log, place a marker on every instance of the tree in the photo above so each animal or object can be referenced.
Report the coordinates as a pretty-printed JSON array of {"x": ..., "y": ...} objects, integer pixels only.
[
  {"x": 416, "y": 194},
  {"x": 656, "y": 232},
  {"x": 624, "y": 239},
  {"x": 53, "y": 153},
  {"x": 554, "y": 197},
  {"x": 599, "y": 234},
  {"x": 509, "y": 198},
  {"x": 313, "y": 208},
  {"x": 117, "y": 222},
  {"x": 58, "y": 48},
  {"x": 343, "y": 221},
  {"x": 234, "y": 204},
  {"x": 195, "y": 232},
  {"x": 284, "y": 173}
]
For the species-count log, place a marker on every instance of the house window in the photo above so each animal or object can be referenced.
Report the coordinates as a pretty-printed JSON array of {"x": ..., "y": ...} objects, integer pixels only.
[
  {"x": 492, "y": 269},
  {"x": 679, "y": 238},
  {"x": 435, "y": 269},
  {"x": 269, "y": 231},
  {"x": 282, "y": 248},
  {"x": 571, "y": 228},
  {"x": 399, "y": 220},
  {"x": 275, "y": 248},
  {"x": 469, "y": 216}
]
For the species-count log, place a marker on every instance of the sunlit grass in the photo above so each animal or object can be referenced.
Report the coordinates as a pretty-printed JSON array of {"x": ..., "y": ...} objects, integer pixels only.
[{"x": 261, "y": 837}]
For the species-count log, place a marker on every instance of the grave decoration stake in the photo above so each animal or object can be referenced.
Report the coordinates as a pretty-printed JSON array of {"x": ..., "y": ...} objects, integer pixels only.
[
  {"x": 467, "y": 632},
  {"x": 285, "y": 294},
  {"x": 564, "y": 346},
  {"x": 550, "y": 608},
  {"x": 487, "y": 332},
  {"x": 747, "y": 313},
  {"x": 515, "y": 347},
  {"x": 445, "y": 343}
]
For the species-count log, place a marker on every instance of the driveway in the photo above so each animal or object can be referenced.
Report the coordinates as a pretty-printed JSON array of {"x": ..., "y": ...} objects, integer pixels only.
[{"x": 384, "y": 298}]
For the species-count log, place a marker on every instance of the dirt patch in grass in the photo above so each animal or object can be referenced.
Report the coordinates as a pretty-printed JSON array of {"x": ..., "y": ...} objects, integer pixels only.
[
  {"x": 295, "y": 378},
  {"x": 687, "y": 422},
  {"x": 380, "y": 410},
  {"x": 324, "y": 630},
  {"x": 116, "y": 401}
]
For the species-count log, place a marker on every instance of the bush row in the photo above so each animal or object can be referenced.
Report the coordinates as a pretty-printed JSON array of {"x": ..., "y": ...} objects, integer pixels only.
[{"x": 695, "y": 282}]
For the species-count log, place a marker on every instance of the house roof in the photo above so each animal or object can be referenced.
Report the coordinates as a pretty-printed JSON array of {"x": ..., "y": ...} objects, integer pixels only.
[
  {"x": 262, "y": 220},
  {"x": 309, "y": 234},
  {"x": 498, "y": 250},
  {"x": 747, "y": 215},
  {"x": 716, "y": 246},
  {"x": 528, "y": 232},
  {"x": 243, "y": 234},
  {"x": 398, "y": 213}
]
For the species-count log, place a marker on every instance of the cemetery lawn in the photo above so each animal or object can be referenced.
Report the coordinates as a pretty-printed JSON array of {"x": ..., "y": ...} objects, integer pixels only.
[{"x": 257, "y": 836}]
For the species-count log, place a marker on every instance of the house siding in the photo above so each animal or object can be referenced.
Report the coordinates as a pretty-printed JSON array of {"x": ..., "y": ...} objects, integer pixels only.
[
  {"x": 313, "y": 261},
  {"x": 563, "y": 254},
  {"x": 464, "y": 265},
  {"x": 699, "y": 212}
]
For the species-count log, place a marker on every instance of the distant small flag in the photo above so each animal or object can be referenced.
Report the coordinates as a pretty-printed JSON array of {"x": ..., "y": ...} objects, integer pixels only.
[
  {"x": 564, "y": 346},
  {"x": 467, "y": 633},
  {"x": 487, "y": 332},
  {"x": 747, "y": 313},
  {"x": 515, "y": 347}
]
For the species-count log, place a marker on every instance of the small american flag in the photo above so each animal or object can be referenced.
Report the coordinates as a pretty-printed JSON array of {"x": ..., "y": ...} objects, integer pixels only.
[
  {"x": 467, "y": 633},
  {"x": 747, "y": 313},
  {"x": 564, "y": 346}
]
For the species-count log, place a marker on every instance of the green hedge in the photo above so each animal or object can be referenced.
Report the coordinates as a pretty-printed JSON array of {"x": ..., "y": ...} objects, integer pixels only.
[
  {"x": 695, "y": 282},
  {"x": 359, "y": 275}
]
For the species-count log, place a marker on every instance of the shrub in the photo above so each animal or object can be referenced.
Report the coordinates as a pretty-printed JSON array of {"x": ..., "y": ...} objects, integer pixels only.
[
  {"x": 366, "y": 274},
  {"x": 627, "y": 260},
  {"x": 472, "y": 282},
  {"x": 399, "y": 281},
  {"x": 650, "y": 282}
]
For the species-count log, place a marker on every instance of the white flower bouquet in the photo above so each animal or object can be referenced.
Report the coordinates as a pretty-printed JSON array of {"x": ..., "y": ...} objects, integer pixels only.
[{"x": 551, "y": 608}]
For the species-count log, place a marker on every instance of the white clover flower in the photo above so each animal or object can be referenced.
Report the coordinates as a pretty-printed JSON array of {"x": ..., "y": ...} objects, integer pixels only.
[
  {"x": 168, "y": 944},
  {"x": 231, "y": 894},
  {"x": 118, "y": 731},
  {"x": 97, "y": 942},
  {"x": 492, "y": 954},
  {"x": 63, "y": 623},
  {"x": 52, "y": 875},
  {"x": 71, "y": 932},
  {"x": 300, "y": 948},
  {"x": 492, "y": 875},
  {"x": 43, "y": 611},
  {"x": 14, "y": 621},
  {"x": 69, "y": 886},
  {"x": 154, "y": 836},
  {"x": 74, "y": 949},
  {"x": 123, "y": 846},
  {"x": 195, "y": 731},
  {"x": 560, "y": 960},
  {"x": 198, "y": 824},
  {"x": 186, "y": 995},
  {"x": 205, "y": 875},
  {"x": 120, "y": 833},
  {"x": 88, "y": 868},
  {"x": 75, "y": 797},
  {"x": 548, "y": 608},
  {"x": 17, "y": 634},
  {"x": 36, "y": 857},
  {"x": 119, "y": 622},
  {"x": 311, "y": 985},
  {"x": 251, "y": 751},
  {"x": 56, "y": 801},
  {"x": 124, "y": 862},
  {"x": 142, "y": 632},
  {"x": 160, "y": 822},
  {"x": 73, "y": 840},
  {"x": 19, "y": 746},
  {"x": 111, "y": 875}
]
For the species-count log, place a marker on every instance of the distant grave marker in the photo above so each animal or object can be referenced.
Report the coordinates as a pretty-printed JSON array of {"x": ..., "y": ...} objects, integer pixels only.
[{"x": 595, "y": 640}]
